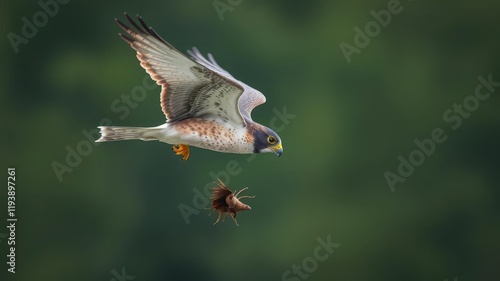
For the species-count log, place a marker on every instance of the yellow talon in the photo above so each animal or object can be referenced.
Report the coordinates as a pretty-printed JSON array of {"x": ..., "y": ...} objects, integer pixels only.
[{"x": 182, "y": 149}]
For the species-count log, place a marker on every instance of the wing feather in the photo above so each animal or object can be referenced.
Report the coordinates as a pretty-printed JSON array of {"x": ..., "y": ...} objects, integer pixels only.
[
  {"x": 196, "y": 87},
  {"x": 250, "y": 97}
]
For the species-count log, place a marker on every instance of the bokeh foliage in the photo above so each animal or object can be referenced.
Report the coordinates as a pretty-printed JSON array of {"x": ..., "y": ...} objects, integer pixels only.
[{"x": 120, "y": 206}]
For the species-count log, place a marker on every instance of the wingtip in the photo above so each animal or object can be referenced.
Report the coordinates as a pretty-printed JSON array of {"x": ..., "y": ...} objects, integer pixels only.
[
  {"x": 121, "y": 24},
  {"x": 128, "y": 18},
  {"x": 127, "y": 39},
  {"x": 124, "y": 14}
]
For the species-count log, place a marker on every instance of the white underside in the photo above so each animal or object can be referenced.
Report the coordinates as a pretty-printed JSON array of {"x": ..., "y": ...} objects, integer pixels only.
[{"x": 232, "y": 144}]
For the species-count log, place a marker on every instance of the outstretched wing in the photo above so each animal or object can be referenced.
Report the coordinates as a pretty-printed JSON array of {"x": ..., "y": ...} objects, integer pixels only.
[
  {"x": 189, "y": 88},
  {"x": 210, "y": 63},
  {"x": 250, "y": 97}
]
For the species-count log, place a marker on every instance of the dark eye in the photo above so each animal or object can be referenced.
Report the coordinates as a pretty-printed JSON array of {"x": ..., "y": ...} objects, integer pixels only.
[{"x": 271, "y": 140}]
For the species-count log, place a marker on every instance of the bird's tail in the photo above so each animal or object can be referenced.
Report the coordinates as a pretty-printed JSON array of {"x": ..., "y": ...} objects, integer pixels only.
[{"x": 111, "y": 133}]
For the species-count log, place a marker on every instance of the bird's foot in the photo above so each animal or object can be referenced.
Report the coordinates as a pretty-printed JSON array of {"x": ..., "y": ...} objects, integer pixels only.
[{"x": 181, "y": 149}]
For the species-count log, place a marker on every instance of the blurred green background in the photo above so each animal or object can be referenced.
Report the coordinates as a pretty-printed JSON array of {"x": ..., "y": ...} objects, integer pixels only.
[{"x": 118, "y": 207}]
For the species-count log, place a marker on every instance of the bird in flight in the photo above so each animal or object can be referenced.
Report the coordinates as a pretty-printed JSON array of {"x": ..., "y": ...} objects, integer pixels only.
[{"x": 205, "y": 106}]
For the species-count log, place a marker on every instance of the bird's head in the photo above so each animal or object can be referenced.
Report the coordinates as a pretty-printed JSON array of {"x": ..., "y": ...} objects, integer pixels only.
[{"x": 266, "y": 140}]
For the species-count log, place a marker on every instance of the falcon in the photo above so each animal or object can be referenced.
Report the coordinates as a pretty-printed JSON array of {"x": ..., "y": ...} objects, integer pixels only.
[{"x": 205, "y": 106}]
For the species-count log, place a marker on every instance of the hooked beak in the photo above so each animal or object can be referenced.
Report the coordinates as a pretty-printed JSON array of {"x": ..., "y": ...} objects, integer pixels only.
[{"x": 278, "y": 149}]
